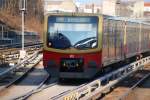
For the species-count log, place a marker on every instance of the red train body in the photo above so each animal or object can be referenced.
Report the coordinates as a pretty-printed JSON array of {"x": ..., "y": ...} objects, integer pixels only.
[{"x": 91, "y": 63}]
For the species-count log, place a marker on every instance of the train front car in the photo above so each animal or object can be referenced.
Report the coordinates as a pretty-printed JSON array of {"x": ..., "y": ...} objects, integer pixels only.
[{"x": 72, "y": 45}]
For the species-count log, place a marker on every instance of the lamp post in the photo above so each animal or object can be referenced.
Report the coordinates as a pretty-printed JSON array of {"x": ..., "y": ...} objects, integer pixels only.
[{"x": 23, "y": 8}]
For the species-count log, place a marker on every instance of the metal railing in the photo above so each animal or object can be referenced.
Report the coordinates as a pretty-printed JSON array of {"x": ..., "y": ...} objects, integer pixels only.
[{"x": 104, "y": 83}]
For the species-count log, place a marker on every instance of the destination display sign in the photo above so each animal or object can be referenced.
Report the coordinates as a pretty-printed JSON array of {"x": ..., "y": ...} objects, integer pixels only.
[{"x": 74, "y": 19}]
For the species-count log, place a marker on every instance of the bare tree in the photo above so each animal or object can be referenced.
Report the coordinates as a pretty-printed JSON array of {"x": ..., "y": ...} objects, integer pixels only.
[{"x": 9, "y": 9}]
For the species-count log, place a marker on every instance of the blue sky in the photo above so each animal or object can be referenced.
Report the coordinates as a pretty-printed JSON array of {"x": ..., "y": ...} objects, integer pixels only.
[{"x": 147, "y": 0}]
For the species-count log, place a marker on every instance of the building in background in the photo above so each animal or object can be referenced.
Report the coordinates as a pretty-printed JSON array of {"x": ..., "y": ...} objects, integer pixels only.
[
  {"x": 90, "y": 8},
  {"x": 127, "y": 8},
  {"x": 109, "y": 7},
  {"x": 147, "y": 10},
  {"x": 138, "y": 9},
  {"x": 123, "y": 9},
  {"x": 61, "y": 5}
]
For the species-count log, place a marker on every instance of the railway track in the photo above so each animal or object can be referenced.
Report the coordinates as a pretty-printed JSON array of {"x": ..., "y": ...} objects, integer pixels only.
[
  {"x": 93, "y": 90},
  {"x": 102, "y": 85},
  {"x": 34, "y": 79},
  {"x": 29, "y": 79},
  {"x": 96, "y": 89},
  {"x": 125, "y": 87},
  {"x": 14, "y": 74},
  {"x": 57, "y": 91},
  {"x": 11, "y": 55},
  {"x": 50, "y": 91},
  {"x": 43, "y": 85},
  {"x": 143, "y": 87}
]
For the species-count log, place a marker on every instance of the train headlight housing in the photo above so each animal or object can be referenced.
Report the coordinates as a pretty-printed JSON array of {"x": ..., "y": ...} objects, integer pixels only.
[
  {"x": 50, "y": 44},
  {"x": 77, "y": 64},
  {"x": 64, "y": 64}
]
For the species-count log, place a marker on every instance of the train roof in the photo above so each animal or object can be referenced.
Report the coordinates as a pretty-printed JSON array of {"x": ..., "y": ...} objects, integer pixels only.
[
  {"x": 70, "y": 13},
  {"x": 117, "y": 18},
  {"x": 127, "y": 19}
]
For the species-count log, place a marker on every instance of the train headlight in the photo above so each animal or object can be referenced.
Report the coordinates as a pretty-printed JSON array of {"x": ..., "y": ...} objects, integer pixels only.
[
  {"x": 77, "y": 64},
  {"x": 49, "y": 44},
  {"x": 64, "y": 64}
]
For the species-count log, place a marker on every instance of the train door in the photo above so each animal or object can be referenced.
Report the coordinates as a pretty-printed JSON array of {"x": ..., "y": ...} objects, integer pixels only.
[
  {"x": 136, "y": 35},
  {"x": 112, "y": 30},
  {"x": 112, "y": 41},
  {"x": 132, "y": 38},
  {"x": 142, "y": 39},
  {"x": 124, "y": 35},
  {"x": 148, "y": 36},
  {"x": 105, "y": 42},
  {"x": 128, "y": 39},
  {"x": 118, "y": 39}
]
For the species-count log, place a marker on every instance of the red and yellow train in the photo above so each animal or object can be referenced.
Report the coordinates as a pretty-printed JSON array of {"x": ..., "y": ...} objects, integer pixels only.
[{"x": 81, "y": 45}]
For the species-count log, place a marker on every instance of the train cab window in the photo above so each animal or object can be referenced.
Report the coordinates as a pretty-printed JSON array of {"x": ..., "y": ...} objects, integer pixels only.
[{"x": 77, "y": 32}]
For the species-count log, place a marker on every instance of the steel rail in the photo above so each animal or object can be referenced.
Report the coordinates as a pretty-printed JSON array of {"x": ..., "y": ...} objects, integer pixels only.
[
  {"x": 12, "y": 50},
  {"x": 34, "y": 91},
  {"x": 20, "y": 77},
  {"x": 12, "y": 55},
  {"x": 42, "y": 84},
  {"x": 133, "y": 87},
  {"x": 28, "y": 59},
  {"x": 63, "y": 93},
  {"x": 41, "y": 88}
]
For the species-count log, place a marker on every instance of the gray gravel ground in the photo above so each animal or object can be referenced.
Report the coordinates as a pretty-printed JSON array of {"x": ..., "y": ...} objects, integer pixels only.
[{"x": 31, "y": 81}]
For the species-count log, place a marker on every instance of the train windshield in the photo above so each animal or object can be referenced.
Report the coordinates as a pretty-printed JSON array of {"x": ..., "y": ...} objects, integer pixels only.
[{"x": 72, "y": 32}]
